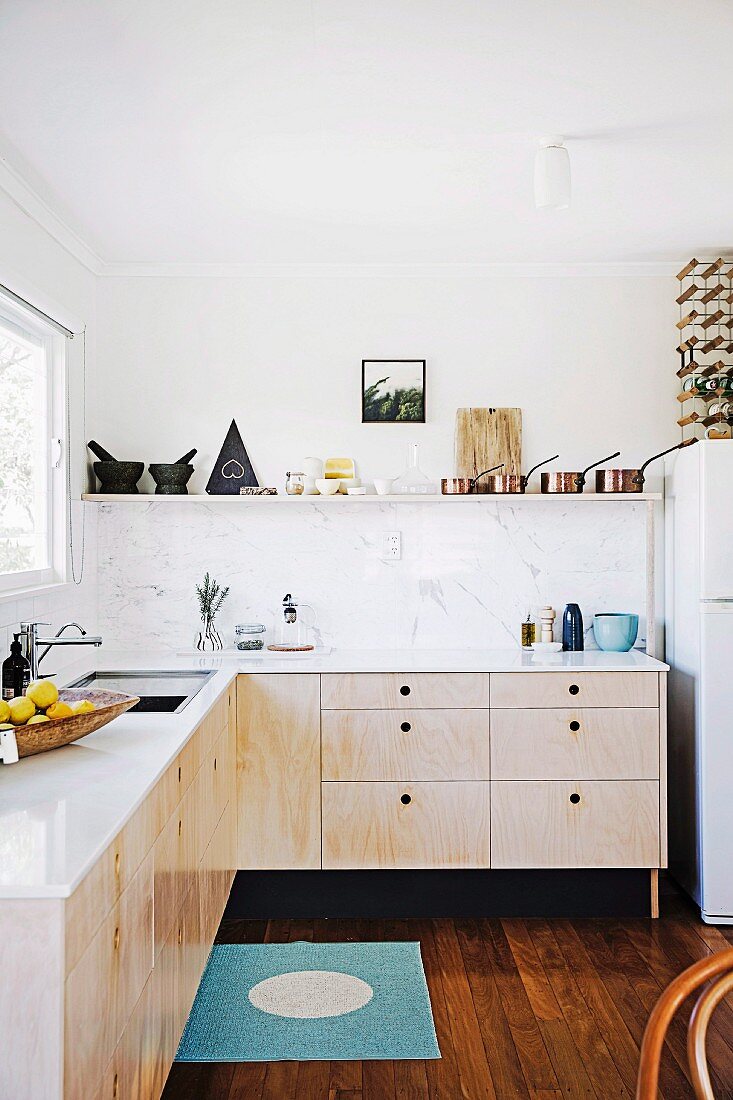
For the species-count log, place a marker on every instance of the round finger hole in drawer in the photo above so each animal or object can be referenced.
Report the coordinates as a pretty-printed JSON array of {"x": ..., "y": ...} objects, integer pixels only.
[
  {"x": 575, "y": 798},
  {"x": 575, "y": 726},
  {"x": 405, "y": 727},
  {"x": 573, "y": 689},
  {"x": 405, "y": 799},
  {"x": 404, "y": 690}
]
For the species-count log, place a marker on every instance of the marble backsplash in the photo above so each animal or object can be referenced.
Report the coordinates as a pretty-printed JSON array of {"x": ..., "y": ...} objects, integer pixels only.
[{"x": 468, "y": 573}]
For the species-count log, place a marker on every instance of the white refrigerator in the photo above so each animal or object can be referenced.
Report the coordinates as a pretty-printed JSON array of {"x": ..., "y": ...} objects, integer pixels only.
[{"x": 699, "y": 649}]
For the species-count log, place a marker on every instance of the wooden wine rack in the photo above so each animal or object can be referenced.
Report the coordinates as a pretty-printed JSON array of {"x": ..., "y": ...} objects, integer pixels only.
[{"x": 705, "y": 331}]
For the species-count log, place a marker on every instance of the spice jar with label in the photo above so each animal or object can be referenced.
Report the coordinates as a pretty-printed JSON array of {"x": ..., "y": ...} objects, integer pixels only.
[{"x": 294, "y": 485}]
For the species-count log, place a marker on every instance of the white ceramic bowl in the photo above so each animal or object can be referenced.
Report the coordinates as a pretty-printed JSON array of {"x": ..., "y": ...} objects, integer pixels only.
[
  {"x": 327, "y": 486},
  {"x": 349, "y": 483},
  {"x": 383, "y": 486},
  {"x": 547, "y": 647},
  {"x": 356, "y": 491}
]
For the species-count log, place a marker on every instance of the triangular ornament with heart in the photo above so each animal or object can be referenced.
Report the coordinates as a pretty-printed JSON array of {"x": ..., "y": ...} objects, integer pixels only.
[{"x": 232, "y": 469}]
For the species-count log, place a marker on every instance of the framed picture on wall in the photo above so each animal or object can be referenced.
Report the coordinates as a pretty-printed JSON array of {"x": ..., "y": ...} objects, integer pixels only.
[{"x": 393, "y": 391}]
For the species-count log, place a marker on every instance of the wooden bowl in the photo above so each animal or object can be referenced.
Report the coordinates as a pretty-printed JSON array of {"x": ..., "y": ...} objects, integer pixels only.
[{"x": 42, "y": 736}]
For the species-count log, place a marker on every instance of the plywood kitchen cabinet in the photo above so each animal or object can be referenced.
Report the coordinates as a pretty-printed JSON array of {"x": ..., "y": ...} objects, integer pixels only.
[
  {"x": 279, "y": 771},
  {"x": 123, "y": 955}
]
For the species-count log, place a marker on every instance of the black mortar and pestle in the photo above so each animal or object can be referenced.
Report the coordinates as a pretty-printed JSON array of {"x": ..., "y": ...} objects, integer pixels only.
[
  {"x": 171, "y": 478},
  {"x": 115, "y": 477}
]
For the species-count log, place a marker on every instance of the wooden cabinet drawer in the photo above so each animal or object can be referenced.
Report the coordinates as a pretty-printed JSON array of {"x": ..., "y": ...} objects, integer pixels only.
[
  {"x": 101, "y": 889},
  {"x": 405, "y": 825},
  {"x": 174, "y": 859},
  {"x": 575, "y": 824},
  {"x": 619, "y": 743},
  {"x": 404, "y": 744},
  {"x": 130, "y": 1074},
  {"x": 516, "y": 690},
  {"x": 410, "y": 690},
  {"x": 103, "y": 988}
]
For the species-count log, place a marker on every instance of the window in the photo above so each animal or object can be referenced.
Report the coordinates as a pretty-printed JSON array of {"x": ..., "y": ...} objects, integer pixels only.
[{"x": 32, "y": 504}]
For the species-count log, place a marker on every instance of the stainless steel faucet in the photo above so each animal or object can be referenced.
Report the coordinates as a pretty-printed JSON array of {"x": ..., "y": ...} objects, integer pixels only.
[{"x": 30, "y": 642}]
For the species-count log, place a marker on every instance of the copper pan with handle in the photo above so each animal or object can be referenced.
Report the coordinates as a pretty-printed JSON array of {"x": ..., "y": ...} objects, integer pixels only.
[
  {"x": 460, "y": 486},
  {"x": 632, "y": 481},
  {"x": 562, "y": 481},
  {"x": 514, "y": 483}
]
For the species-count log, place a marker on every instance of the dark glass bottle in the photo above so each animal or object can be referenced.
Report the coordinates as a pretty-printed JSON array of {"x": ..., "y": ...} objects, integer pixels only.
[
  {"x": 16, "y": 671},
  {"x": 572, "y": 628}
]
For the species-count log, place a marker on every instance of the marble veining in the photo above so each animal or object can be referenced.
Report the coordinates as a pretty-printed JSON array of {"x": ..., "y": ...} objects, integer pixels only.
[{"x": 466, "y": 579}]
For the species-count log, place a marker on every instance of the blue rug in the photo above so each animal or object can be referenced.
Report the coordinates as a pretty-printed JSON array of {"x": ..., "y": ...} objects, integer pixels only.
[{"x": 310, "y": 1001}]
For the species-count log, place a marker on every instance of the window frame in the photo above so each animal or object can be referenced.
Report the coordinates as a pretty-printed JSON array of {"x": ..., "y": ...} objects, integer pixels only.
[{"x": 56, "y": 454}]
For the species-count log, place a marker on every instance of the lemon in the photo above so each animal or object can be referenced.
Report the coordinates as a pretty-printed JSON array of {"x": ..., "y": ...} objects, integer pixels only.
[
  {"x": 43, "y": 693},
  {"x": 36, "y": 719},
  {"x": 4, "y": 711},
  {"x": 84, "y": 706},
  {"x": 6, "y": 726},
  {"x": 59, "y": 710},
  {"x": 21, "y": 709}
]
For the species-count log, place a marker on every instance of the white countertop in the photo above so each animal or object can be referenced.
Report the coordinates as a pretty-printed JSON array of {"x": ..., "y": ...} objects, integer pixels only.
[{"x": 61, "y": 809}]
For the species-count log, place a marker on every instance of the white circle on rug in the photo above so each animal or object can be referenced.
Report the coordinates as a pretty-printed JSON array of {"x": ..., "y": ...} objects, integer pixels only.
[{"x": 311, "y": 994}]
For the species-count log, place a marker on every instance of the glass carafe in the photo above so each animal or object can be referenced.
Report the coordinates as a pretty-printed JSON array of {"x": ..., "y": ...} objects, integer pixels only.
[{"x": 413, "y": 480}]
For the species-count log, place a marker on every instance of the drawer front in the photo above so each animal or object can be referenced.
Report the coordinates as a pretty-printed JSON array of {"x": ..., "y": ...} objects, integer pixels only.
[
  {"x": 103, "y": 988},
  {"x": 575, "y": 744},
  {"x": 517, "y": 690},
  {"x": 405, "y": 744},
  {"x": 575, "y": 824},
  {"x": 405, "y": 825},
  {"x": 96, "y": 894},
  {"x": 409, "y": 690}
]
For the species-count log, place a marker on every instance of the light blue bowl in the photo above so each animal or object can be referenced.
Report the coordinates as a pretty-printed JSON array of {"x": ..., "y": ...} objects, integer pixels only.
[{"x": 615, "y": 631}]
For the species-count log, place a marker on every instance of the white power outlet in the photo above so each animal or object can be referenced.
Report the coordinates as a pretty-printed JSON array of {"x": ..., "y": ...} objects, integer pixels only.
[{"x": 391, "y": 546}]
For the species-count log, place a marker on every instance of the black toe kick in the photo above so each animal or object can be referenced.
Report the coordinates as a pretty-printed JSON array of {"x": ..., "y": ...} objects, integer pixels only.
[{"x": 278, "y": 895}]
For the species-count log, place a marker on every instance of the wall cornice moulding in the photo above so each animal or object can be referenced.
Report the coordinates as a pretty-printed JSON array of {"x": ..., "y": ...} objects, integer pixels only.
[
  {"x": 36, "y": 208},
  {"x": 425, "y": 270}
]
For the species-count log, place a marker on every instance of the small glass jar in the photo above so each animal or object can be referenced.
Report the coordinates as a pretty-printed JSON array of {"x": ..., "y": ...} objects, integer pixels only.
[
  {"x": 295, "y": 486},
  {"x": 250, "y": 636}
]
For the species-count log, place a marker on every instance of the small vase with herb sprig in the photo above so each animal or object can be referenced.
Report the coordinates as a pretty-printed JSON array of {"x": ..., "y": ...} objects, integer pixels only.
[{"x": 211, "y": 596}]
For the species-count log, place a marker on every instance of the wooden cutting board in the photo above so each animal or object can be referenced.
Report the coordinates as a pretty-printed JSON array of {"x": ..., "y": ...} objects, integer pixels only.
[{"x": 485, "y": 437}]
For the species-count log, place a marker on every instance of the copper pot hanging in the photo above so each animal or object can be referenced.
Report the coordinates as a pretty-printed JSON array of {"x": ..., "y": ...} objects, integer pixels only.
[
  {"x": 562, "y": 481},
  {"x": 460, "y": 486},
  {"x": 514, "y": 483},
  {"x": 632, "y": 481}
]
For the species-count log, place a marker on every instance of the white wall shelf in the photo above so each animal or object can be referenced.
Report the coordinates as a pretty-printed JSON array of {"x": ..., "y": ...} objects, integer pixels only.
[{"x": 340, "y": 498}]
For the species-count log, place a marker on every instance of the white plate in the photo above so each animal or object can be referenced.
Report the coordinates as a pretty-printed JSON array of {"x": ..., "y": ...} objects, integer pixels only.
[{"x": 547, "y": 647}]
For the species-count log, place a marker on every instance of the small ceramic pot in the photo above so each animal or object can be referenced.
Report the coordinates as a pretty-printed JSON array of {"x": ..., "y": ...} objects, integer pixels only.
[
  {"x": 615, "y": 632},
  {"x": 119, "y": 477}
]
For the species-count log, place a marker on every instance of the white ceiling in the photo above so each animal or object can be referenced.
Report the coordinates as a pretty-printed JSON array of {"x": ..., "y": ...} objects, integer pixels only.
[{"x": 372, "y": 131}]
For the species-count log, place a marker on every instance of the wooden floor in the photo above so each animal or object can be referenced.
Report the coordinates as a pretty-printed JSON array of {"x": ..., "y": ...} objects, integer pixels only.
[{"x": 523, "y": 1008}]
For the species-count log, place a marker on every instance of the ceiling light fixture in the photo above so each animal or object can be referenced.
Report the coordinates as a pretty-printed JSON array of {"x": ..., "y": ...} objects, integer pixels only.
[{"x": 552, "y": 175}]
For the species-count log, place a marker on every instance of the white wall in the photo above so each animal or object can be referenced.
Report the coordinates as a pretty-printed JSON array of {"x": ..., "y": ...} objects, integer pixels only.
[
  {"x": 589, "y": 360},
  {"x": 35, "y": 266}
]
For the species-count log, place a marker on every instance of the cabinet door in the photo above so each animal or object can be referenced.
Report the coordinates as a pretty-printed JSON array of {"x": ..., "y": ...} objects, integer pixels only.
[{"x": 279, "y": 772}]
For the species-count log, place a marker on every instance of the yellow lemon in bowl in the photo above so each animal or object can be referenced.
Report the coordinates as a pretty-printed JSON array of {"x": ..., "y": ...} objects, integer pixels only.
[
  {"x": 21, "y": 709},
  {"x": 59, "y": 710},
  {"x": 4, "y": 711},
  {"x": 34, "y": 721},
  {"x": 83, "y": 706},
  {"x": 43, "y": 693}
]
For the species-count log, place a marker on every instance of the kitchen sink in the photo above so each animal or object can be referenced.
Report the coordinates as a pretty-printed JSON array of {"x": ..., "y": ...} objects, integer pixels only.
[{"x": 160, "y": 692}]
